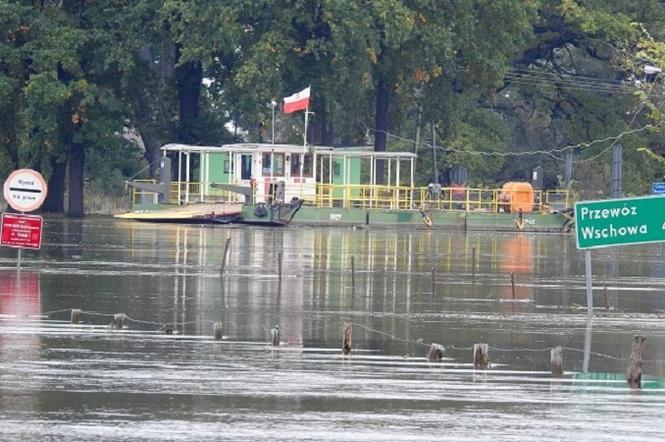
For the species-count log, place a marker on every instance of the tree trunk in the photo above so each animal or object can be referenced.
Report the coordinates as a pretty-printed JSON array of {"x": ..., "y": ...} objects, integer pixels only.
[
  {"x": 76, "y": 163},
  {"x": 55, "y": 198},
  {"x": 326, "y": 130},
  {"x": 188, "y": 77},
  {"x": 152, "y": 153},
  {"x": 381, "y": 123}
]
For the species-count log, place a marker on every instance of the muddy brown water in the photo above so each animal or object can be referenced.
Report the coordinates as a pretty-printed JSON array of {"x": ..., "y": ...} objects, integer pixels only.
[{"x": 87, "y": 381}]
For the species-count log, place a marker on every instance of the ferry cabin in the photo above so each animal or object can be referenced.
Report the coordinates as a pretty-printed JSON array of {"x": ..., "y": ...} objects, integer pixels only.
[
  {"x": 316, "y": 174},
  {"x": 323, "y": 177}
]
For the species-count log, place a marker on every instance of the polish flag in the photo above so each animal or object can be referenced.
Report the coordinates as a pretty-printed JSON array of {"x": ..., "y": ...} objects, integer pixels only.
[{"x": 297, "y": 101}]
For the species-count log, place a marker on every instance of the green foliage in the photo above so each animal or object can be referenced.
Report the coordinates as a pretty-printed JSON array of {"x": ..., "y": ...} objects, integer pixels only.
[{"x": 89, "y": 71}]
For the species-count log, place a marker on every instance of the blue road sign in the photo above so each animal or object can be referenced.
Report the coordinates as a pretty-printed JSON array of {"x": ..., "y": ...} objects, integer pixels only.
[{"x": 658, "y": 188}]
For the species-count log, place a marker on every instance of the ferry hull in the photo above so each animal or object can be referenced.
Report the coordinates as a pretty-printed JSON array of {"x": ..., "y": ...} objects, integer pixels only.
[
  {"x": 448, "y": 220},
  {"x": 222, "y": 213}
]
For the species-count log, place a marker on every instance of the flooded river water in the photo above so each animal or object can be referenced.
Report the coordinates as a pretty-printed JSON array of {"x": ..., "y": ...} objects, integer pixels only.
[{"x": 88, "y": 381}]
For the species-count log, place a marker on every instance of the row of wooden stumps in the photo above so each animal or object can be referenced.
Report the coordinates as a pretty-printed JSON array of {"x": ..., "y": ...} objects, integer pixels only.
[
  {"x": 118, "y": 321},
  {"x": 481, "y": 359}
]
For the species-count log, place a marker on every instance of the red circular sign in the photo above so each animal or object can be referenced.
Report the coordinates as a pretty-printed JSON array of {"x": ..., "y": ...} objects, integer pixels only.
[{"x": 25, "y": 190}]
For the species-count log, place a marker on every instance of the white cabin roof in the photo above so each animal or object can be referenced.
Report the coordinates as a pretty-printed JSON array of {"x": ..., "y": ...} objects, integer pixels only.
[{"x": 354, "y": 151}]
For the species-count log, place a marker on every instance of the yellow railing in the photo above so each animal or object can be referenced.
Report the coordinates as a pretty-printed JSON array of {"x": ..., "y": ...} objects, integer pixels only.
[
  {"x": 450, "y": 198},
  {"x": 363, "y": 196},
  {"x": 373, "y": 197},
  {"x": 184, "y": 192}
]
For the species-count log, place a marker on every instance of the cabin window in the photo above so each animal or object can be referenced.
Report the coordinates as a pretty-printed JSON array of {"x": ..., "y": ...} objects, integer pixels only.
[
  {"x": 226, "y": 166},
  {"x": 245, "y": 167},
  {"x": 277, "y": 164},
  {"x": 306, "y": 168}
]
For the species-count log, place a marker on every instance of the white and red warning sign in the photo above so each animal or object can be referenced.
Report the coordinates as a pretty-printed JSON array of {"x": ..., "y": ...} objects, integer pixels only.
[
  {"x": 25, "y": 190},
  {"x": 21, "y": 231}
]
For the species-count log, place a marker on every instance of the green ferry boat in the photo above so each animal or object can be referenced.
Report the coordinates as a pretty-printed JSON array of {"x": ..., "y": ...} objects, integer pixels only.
[{"x": 281, "y": 184}]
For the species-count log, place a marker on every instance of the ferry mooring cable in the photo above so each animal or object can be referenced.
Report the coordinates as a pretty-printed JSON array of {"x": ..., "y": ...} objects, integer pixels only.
[{"x": 164, "y": 325}]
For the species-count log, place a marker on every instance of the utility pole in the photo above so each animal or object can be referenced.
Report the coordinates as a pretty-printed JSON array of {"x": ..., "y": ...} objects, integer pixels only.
[
  {"x": 273, "y": 104},
  {"x": 419, "y": 114},
  {"x": 568, "y": 171},
  {"x": 434, "y": 168},
  {"x": 616, "y": 171}
]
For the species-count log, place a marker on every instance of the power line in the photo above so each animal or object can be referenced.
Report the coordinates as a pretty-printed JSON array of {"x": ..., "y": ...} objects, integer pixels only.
[
  {"x": 549, "y": 152},
  {"x": 637, "y": 112},
  {"x": 547, "y": 79},
  {"x": 568, "y": 78},
  {"x": 566, "y": 85},
  {"x": 569, "y": 81}
]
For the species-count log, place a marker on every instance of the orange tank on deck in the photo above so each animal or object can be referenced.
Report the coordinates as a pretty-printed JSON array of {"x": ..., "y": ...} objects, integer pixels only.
[{"x": 516, "y": 196}]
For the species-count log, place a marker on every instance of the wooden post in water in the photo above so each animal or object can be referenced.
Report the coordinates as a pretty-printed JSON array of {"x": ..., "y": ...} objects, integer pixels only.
[
  {"x": 435, "y": 353},
  {"x": 118, "y": 321},
  {"x": 556, "y": 361},
  {"x": 76, "y": 315},
  {"x": 481, "y": 357},
  {"x": 433, "y": 280},
  {"x": 607, "y": 305},
  {"x": 217, "y": 331},
  {"x": 473, "y": 265},
  {"x": 512, "y": 283},
  {"x": 279, "y": 271},
  {"x": 346, "y": 339},
  {"x": 274, "y": 336},
  {"x": 226, "y": 250},
  {"x": 353, "y": 273},
  {"x": 634, "y": 374}
]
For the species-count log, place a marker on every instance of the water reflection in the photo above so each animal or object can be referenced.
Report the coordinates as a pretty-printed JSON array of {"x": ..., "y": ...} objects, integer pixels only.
[
  {"x": 169, "y": 274},
  {"x": 517, "y": 263},
  {"x": 20, "y": 293},
  {"x": 91, "y": 382},
  {"x": 20, "y": 302}
]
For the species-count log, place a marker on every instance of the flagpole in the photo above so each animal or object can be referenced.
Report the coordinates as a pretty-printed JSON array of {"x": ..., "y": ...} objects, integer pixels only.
[
  {"x": 305, "y": 136},
  {"x": 304, "y": 150}
]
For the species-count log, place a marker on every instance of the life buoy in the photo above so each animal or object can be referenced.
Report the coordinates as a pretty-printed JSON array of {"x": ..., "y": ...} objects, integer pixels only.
[
  {"x": 426, "y": 219},
  {"x": 261, "y": 210},
  {"x": 519, "y": 223}
]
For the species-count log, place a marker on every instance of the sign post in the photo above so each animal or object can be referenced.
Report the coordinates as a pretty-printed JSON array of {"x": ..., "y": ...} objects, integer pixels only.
[
  {"x": 24, "y": 190},
  {"x": 589, "y": 291},
  {"x": 617, "y": 222}
]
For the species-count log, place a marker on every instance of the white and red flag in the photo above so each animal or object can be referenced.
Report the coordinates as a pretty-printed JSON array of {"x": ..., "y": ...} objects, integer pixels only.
[{"x": 297, "y": 101}]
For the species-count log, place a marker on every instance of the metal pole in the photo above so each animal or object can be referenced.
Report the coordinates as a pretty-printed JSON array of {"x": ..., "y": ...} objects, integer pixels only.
[
  {"x": 434, "y": 169},
  {"x": 587, "y": 345},
  {"x": 273, "y": 104},
  {"x": 589, "y": 291},
  {"x": 304, "y": 144},
  {"x": 616, "y": 171},
  {"x": 187, "y": 178},
  {"x": 18, "y": 259},
  {"x": 416, "y": 142},
  {"x": 179, "y": 176},
  {"x": 304, "y": 150},
  {"x": 568, "y": 174}
]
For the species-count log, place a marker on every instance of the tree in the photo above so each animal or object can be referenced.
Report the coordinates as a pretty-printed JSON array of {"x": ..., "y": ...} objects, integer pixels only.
[
  {"x": 423, "y": 49},
  {"x": 579, "y": 80}
]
